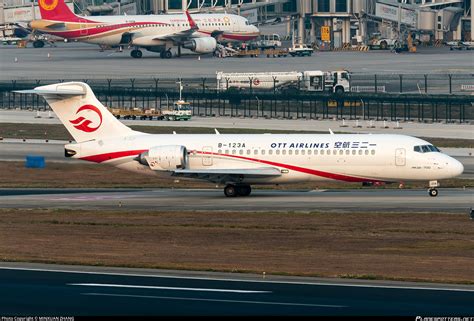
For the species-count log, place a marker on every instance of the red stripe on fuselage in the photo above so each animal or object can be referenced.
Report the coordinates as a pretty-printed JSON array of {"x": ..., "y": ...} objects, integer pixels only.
[{"x": 340, "y": 177}]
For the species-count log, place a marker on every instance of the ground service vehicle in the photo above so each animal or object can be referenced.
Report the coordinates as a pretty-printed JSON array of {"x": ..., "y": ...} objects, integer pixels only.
[
  {"x": 379, "y": 42},
  {"x": 315, "y": 80},
  {"x": 267, "y": 41},
  {"x": 181, "y": 110},
  {"x": 300, "y": 50}
]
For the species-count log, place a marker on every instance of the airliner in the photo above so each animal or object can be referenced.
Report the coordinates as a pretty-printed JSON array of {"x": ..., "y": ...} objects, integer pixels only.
[
  {"x": 156, "y": 33},
  {"x": 238, "y": 161}
]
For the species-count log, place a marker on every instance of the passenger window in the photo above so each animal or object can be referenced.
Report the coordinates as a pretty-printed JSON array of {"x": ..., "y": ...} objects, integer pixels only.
[
  {"x": 219, "y": 151},
  {"x": 360, "y": 151},
  {"x": 255, "y": 152},
  {"x": 372, "y": 151},
  {"x": 290, "y": 152},
  {"x": 303, "y": 152},
  {"x": 227, "y": 151},
  {"x": 354, "y": 152},
  {"x": 233, "y": 152},
  {"x": 366, "y": 152},
  {"x": 248, "y": 151},
  {"x": 322, "y": 152},
  {"x": 263, "y": 152},
  {"x": 270, "y": 152},
  {"x": 297, "y": 152},
  {"x": 283, "y": 152},
  {"x": 334, "y": 152},
  {"x": 309, "y": 151},
  {"x": 241, "y": 152},
  {"x": 277, "y": 152},
  {"x": 341, "y": 152},
  {"x": 348, "y": 152}
]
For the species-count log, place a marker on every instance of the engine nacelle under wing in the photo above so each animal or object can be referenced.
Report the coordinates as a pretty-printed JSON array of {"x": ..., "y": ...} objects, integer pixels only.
[
  {"x": 201, "y": 45},
  {"x": 165, "y": 158}
]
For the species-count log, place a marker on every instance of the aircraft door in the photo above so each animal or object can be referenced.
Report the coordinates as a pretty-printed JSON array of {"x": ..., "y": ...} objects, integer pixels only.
[
  {"x": 83, "y": 27},
  {"x": 400, "y": 157},
  {"x": 207, "y": 156}
]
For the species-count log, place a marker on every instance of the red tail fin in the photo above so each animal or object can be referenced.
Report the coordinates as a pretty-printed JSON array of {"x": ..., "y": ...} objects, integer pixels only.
[
  {"x": 56, "y": 10},
  {"x": 192, "y": 24}
]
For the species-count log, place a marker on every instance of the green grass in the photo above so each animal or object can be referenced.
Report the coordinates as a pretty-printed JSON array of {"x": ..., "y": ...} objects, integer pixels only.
[{"x": 58, "y": 131}]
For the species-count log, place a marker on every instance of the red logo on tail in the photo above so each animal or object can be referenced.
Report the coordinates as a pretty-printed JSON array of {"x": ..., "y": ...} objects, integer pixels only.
[{"x": 82, "y": 123}]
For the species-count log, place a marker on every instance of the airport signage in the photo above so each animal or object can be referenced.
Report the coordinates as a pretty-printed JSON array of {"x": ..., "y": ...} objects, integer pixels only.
[{"x": 325, "y": 33}]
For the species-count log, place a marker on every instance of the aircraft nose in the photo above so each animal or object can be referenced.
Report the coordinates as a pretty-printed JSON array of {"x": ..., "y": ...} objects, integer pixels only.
[{"x": 456, "y": 167}]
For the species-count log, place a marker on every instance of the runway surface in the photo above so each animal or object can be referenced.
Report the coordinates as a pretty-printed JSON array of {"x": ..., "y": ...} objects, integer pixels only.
[
  {"x": 448, "y": 200},
  {"x": 407, "y": 128},
  {"x": 83, "y": 61},
  {"x": 32, "y": 289}
]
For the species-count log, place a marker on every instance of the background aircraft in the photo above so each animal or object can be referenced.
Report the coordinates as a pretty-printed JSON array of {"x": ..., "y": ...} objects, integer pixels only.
[
  {"x": 157, "y": 33},
  {"x": 238, "y": 161}
]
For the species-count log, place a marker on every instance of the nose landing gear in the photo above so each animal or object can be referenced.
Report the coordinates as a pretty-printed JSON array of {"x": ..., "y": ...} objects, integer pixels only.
[{"x": 432, "y": 190}]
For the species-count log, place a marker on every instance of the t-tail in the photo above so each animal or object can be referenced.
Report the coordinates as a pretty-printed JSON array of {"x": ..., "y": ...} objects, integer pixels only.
[
  {"x": 79, "y": 110},
  {"x": 56, "y": 10}
]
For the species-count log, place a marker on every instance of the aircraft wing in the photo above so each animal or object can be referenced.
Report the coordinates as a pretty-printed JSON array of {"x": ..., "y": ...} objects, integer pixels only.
[{"x": 227, "y": 175}]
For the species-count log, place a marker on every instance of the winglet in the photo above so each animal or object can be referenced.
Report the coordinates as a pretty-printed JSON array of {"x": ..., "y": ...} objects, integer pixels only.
[
  {"x": 217, "y": 132},
  {"x": 331, "y": 132},
  {"x": 192, "y": 24}
]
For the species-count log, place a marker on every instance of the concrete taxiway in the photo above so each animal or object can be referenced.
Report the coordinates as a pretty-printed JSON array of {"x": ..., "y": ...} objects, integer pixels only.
[
  {"x": 83, "y": 61},
  {"x": 354, "y": 200},
  {"x": 76, "y": 290}
]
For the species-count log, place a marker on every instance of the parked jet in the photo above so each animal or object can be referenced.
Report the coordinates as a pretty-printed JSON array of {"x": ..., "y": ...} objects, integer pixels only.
[
  {"x": 157, "y": 33},
  {"x": 239, "y": 161}
]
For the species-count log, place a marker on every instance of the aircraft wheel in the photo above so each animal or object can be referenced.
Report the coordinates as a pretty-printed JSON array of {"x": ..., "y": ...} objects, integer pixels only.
[
  {"x": 244, "y": 190},
  {"x": 138, "y": 54},
  {"x": 168, "y": 54},
  {"x": 230, "y": 191},
  {"x": 433, "y": 192},
  {"x": 38, "y": 44}
]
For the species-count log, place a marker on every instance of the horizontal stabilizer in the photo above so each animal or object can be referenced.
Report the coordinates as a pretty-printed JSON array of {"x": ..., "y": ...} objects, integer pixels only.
[{"x": 60, "y": 92}]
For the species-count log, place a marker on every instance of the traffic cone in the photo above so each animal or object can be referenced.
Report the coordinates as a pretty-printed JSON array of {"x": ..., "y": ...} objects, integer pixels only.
[
  {"x": 49, "y": 55},
  {"x": 199, "y": 57},
  {"x": 16, "y": 59}
]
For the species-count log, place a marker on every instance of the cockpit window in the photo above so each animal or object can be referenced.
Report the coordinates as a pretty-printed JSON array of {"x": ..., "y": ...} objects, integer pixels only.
[
  {"x": 426, "y": 149},
  {"x": 246, "y": 23}
]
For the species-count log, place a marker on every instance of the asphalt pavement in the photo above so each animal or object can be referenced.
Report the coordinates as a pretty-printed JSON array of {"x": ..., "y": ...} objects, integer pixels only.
[
  {"x": 338, "y": 200},
  {"x": 51, "y": 290}
]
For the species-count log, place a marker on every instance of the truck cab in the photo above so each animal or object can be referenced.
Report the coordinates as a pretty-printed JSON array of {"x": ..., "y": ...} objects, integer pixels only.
[{"x": 333, "y": 81}]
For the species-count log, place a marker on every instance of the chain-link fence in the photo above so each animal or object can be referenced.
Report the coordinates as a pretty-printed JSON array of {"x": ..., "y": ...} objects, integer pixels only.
[{"x": 289, "y": 102}]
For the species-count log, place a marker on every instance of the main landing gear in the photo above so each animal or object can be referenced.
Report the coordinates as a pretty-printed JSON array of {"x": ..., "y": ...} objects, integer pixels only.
[
  {"x": 166, "y": 54},
  {"x": 136, "y": 53},
  {"x": 232, "y": 190},
  {"x": 432, "y": 190}
]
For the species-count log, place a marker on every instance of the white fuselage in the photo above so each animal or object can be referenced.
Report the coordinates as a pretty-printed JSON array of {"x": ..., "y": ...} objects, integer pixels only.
[
  {"x": 147, "y": 29},
  {"x": 299, "y": 157}
]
